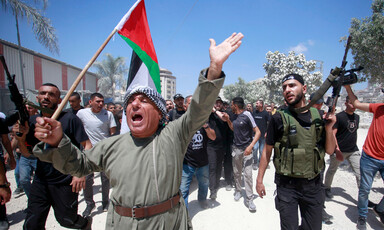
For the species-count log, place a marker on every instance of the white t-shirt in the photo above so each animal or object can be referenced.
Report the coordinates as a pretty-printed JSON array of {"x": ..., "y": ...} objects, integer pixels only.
[{"x": 97, "y": 125}]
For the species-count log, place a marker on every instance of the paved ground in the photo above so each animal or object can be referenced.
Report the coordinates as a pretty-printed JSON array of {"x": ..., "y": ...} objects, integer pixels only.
[{"x": 225, "y": 213}]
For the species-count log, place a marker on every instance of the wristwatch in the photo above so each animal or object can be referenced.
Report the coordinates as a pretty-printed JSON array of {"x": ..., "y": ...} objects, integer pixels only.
[{"x": 6, "y": 185}]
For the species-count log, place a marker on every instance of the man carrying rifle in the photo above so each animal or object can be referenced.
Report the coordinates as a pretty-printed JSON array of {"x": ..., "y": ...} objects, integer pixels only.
[
  {"x": 50, "y": 188},
  {"x": 297, "y": 139}
]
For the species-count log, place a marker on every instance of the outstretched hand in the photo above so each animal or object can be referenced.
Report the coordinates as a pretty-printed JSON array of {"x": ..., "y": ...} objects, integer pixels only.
[
  {"x": 49, "y": 131},
  {"x": 219, "y": 54}
]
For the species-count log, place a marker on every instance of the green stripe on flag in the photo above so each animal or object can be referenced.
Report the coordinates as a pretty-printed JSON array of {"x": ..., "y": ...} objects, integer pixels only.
[{"x": 152, "y": 66}]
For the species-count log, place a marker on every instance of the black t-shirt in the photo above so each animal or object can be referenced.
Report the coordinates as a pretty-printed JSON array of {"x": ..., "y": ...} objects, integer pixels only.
[
  {"x": 73, "y": 128},
  {"x": 243, "y": 129},
  {"x": 276, "y": 127},
  {"x": 346, "y": 135},
  {"x": 222, "y": 132},
  {"x": 261, "y": 119},
  {"x": 196, "y": 155},
  {"x": 3, "y": 127},
  {"x": 175, "y": 114},
  {"x": 73, "y": 111}
]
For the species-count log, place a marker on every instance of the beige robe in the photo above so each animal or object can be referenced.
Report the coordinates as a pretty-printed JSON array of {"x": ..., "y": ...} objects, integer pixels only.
[{"x": 142, "y": 171}]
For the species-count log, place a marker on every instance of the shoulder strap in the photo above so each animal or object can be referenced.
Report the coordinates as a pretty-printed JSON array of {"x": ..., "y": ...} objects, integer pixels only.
[{"x": 317, "y": 120}]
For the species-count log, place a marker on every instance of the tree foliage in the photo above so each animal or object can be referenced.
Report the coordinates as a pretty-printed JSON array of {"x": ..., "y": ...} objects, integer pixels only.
[
  {"x": 239, "y": 89},
  {"x": 367, "y": 43},
  {"x": 42, "y": 27},
  {"x": 278, "y": 65},
  {"x": 112, "y": 71},
  {"x": 269, "y": 88}
]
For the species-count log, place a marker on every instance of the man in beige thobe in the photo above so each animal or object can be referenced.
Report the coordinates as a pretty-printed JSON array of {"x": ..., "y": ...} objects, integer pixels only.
[{"x": 145, "y": 165}]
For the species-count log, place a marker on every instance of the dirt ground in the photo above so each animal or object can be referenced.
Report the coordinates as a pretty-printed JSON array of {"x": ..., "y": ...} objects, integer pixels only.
[{"x": 225, "y": 213}]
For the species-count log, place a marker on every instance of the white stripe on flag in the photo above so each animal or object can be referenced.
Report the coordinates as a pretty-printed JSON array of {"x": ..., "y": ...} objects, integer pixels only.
[{"x": 142, "y": 78}]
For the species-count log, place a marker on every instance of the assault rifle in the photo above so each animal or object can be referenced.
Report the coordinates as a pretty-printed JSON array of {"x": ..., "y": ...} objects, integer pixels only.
[
  {"x": 18, "y": 100},
  {"x": 344, "y": 77},
  {"x": 337, "y": 78}
]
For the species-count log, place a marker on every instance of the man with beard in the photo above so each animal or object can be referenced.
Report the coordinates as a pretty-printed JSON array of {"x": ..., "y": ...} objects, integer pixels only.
[
  {"x": 145, "y": 164},
  {"x": 297, "y": 139},
  {"x": 50, "y": 188},
  {"x": 177, "y": 112}
]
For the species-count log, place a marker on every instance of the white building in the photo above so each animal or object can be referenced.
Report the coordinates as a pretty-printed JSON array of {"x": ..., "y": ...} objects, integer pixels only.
[
  {"x": 168, "y": 84},
  {"x": 38, "y": 69}
]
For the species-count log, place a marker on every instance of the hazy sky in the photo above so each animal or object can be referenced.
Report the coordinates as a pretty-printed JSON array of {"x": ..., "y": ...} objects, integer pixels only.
[{"x": 180, "y": 30}]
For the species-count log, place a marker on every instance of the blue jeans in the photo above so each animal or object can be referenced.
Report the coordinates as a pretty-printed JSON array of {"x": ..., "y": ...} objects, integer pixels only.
[
  {"x": 202, "y": 176},
  {"x": 17, "y": 175},
  {"x": 368, "y": 169},
  {"x": 258, "y": 149},
  {"x": 26, "y": 168}
]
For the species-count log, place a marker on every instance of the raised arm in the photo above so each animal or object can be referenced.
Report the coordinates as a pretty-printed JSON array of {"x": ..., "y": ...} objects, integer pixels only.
[
  {"x": 355, "y": 102},
  {"x": 219, "y": 54}
]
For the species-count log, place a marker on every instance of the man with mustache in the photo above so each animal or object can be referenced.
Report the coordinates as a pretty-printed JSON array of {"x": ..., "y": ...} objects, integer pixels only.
[
  {"x": 51, "y": 188},
  {"x": 300, "y": 141},
  {"x": 145, "y": 165}
]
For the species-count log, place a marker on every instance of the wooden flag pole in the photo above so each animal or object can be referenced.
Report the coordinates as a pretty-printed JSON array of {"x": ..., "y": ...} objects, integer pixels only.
[{"x": 81, "y": 75}]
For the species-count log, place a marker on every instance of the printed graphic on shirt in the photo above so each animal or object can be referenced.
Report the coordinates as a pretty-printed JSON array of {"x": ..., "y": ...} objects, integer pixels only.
[
  {"x": 352, "y": 126},
  {"x": 197, "y": 141}
]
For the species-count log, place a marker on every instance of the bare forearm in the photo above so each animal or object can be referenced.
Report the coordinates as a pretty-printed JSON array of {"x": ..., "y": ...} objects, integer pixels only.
[
  {"x": 211, "y": 133},
  {"x": 256, "y": 137},
  {"x": 353, "y": 99},
  {"x": 3, "y": 178},
  {"x": 264, "y": 160},
  {"x": 229, "y": 122},
  {"x": 8, "y": 146},
  {"x": 214, "y": 71},
  {"x": 330, "y": 142}
]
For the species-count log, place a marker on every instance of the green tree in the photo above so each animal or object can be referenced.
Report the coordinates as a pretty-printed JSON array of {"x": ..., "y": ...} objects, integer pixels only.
[
  {"x": 42, "y": 27},
  {"x": 367, "y": 43},
  {"x": 112, "y": 71}
]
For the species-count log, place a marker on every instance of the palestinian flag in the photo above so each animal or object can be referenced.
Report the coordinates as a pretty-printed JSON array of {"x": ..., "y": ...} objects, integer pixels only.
[{"x": 134, "y": 29}]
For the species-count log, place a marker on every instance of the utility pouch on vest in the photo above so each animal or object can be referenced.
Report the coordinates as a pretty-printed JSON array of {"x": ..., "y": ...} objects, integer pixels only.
[
  {"x": 292, "y": 137},
  {"x": 298, "y": 153},
  {"x": 299, "y": 162}
]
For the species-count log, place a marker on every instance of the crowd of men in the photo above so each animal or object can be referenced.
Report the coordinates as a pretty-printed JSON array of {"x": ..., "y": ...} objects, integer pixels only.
[{"x": 199, "y": 135}]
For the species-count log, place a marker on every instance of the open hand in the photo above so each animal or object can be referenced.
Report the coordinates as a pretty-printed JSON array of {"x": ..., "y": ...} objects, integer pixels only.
[{"x": 219, "y": 54}]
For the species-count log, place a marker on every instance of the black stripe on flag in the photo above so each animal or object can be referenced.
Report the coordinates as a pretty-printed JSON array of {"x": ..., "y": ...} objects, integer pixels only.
[{"x": 134, "y": 67}]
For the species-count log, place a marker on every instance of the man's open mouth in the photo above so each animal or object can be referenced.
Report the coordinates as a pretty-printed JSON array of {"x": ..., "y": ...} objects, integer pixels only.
[{"x": 137, "y": 117}]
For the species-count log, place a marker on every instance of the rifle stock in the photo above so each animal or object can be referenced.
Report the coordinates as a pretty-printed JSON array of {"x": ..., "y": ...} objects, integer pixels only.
[{"x": 16, "y": 97}]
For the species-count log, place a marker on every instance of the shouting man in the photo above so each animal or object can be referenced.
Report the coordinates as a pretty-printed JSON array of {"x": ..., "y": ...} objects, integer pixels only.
[{"x": 145, "y": 165}]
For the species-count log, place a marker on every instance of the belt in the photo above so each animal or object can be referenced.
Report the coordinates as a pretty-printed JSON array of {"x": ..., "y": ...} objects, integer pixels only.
[{"x": 148, "y": 211}]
